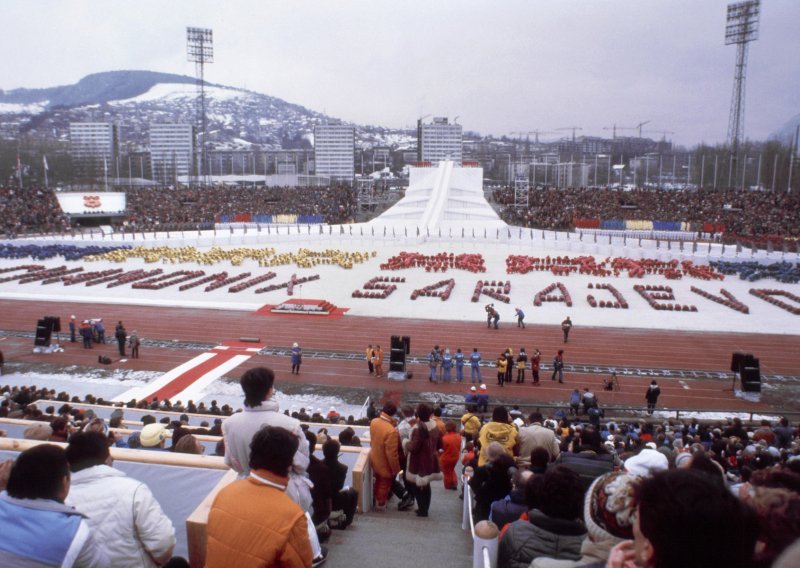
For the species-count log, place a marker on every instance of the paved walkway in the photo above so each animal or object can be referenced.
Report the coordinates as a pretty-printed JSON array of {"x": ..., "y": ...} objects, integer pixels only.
[{"x": 396, "y": 539}]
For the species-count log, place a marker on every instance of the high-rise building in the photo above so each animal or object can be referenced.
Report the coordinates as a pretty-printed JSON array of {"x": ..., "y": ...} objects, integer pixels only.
[
  {"x": 171, "y": 151},
  {"x": 94, "y": 147},
  {"x": 334, "y": 151},
  {"x": 439, "y": 140}
]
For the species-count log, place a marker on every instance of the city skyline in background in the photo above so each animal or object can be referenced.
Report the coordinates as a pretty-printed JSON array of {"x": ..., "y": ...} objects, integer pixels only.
[{"x": 520, "y": 66}]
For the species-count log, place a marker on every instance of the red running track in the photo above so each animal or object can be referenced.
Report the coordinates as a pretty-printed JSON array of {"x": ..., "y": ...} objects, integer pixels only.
[{"x": 617, "y": 347}]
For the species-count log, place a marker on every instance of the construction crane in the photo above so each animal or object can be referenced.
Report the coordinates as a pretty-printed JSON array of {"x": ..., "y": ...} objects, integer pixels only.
[
  {"x": 639, "y": 127},
  {"x": 614, "y": 128},
  {"x": 573, "y": 128},
  {"x": 662, "y": 132},
  {"x": 534, "y": 132}
]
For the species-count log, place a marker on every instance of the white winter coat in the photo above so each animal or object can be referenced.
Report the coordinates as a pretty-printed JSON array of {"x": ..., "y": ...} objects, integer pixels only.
[{"x": 125, "y": 516}]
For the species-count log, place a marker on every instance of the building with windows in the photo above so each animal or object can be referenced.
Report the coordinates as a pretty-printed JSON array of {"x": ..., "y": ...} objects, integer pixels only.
[
  {"x": 439, "y": 140},
  {"x": 334, "y": 151},
  {"x": 94, "y": 147},
  {"x": 572, "y": 174},
  {"x": 171, "y": 151}
]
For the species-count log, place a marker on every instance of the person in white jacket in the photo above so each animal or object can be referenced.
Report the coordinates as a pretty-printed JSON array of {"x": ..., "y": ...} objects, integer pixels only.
[{"x": 126, "y": 518}]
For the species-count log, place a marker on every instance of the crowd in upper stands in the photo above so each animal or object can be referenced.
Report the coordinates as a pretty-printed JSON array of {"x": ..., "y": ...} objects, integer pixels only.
[
  {"x": 748, "y": 213},
  {"x": 31, "y": 209},
  {"x": 742, "y": 213},
  {"x": 156, "y": 208}
]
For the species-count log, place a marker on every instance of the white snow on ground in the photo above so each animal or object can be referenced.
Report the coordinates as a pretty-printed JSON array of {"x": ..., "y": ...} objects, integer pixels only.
[
  {"x": 176, "y": 91},
  {"x": 337, "y": 284},
  {"x": 19, "y": 108}
]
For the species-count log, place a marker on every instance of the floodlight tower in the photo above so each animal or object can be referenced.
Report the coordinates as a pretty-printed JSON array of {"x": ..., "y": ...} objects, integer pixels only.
[
  {"x": 741, "y": 28},
  {"x": 200, "y": 50}
]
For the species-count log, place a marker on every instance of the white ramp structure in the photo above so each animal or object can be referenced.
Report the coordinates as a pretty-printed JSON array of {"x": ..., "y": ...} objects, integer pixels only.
[{"x": 441, "y": 200}]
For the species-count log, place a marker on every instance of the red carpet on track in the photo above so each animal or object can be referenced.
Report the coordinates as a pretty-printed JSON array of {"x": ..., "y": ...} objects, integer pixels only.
[{"x": 183, "y": 381}]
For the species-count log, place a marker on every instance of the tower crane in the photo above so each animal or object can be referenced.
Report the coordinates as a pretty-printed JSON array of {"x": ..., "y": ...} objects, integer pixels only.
[
  {"x": 573, "y": 128},
  {"x": 614, "y": 128},
  {"x": 662, "y": 132},
  {"x": 534, "y": 132}
]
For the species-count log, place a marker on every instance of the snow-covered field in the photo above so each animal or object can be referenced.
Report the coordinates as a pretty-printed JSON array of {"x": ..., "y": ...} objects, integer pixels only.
[{"x": 337, "y": 284}]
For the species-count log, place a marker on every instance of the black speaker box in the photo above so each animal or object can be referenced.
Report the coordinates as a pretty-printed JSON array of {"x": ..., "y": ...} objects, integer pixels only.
[
  {"x": 407, "y": 342},
  {"x": 751, "y": 375},
  {"x": 397, "y": 366},
  {"x": 54, "y": 322},
  {"x": 736, "y": 361}
]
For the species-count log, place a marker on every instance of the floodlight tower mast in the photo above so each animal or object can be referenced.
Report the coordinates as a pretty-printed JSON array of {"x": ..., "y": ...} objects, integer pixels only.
[
  {"x": 741, "y": 28},
  {"x": 200, "y": 50}
]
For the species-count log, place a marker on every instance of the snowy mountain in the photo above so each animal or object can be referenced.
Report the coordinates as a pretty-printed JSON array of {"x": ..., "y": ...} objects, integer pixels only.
[{"x": 237, "y": 118}]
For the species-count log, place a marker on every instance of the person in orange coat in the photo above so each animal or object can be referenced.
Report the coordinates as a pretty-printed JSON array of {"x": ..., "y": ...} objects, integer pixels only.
[
  {"x": 378, "y": 361},
  {"x": 253, "y": 522},
  {"x": 448, "y": 458},
  {"x": 384, "y": 456}
]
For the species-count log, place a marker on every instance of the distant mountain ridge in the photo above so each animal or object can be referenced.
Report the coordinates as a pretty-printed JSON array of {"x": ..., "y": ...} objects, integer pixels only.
[
  {"x": 95, "y": 88},
  {"x": 237, "y": 118}
]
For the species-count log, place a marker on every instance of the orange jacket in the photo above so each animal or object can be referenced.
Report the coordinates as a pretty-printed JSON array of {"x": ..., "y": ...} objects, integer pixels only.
[
  {"x": 451, "y": 442},
  {"x": 252, "y": 522},
  {"x": 385, "y": 442}
]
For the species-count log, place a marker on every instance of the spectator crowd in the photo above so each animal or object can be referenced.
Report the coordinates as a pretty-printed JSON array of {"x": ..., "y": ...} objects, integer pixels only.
[{"x": 743, "y": 213}]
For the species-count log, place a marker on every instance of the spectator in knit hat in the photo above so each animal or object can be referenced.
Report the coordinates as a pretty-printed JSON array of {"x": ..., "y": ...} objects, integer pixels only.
[{"x": 129, "y": 522}]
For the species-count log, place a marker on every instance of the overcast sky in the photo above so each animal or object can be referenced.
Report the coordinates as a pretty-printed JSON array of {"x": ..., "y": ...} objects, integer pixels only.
[{"x": 501, "y": 66}]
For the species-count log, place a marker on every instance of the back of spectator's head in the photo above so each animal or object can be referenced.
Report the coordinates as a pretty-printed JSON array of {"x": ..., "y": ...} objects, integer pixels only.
[
  {"x": 59, "y": 425},
  {"x": 540, "y": 457},
  {"x": 188, "y": 444},
  {"x": 591, "y": 438},
  {"x": 256, "y": 384},
  {"x": 500, "y": 414},
  {"x": 87, "y": 449},
  {"x": 561, "y": 493},
  {"x": 148, "y": 419},
  {"x": 533, "y": 489},
  {"x": 778, "y": 512},
  {"x": 783, "y": 478},
  {"x": 273, "y": 449},
  {"x": 41, "y": 472},
  {"x": 330, "y": 449},
  {"x": 608, "y": 509},
  {"x": 424, "y": 411},
  {"x": 346, "y": 436},
  {"x": 708, "y": 466},
  {"x": 535, "y": 417},
  {"x": 686, "y": 519},
  {"x": 389, "y": 408},
  {"x": 450, "y": 426},
  {"x": 494, "y": 451}
]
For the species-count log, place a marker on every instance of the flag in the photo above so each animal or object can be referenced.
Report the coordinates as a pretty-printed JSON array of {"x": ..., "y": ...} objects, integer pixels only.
[{"x": 44, "y": 159}]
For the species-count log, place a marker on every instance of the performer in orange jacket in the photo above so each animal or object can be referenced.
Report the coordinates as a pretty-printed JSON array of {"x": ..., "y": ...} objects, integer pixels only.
[{"x": 451, "y": 450}]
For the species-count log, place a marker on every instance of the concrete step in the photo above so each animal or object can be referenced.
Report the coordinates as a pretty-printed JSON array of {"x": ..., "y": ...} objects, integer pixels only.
[{"x": 400, "y": 539}]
